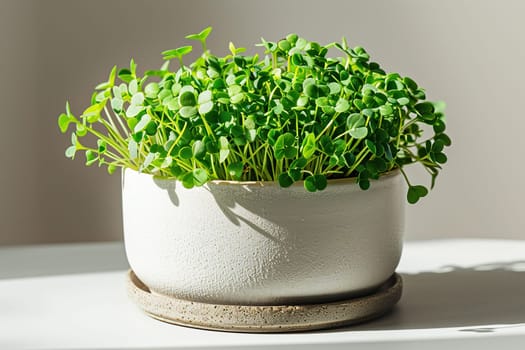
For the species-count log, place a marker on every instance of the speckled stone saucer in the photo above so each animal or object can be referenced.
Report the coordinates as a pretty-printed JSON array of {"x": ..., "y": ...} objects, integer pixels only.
[{"x": 265, "y": 319}]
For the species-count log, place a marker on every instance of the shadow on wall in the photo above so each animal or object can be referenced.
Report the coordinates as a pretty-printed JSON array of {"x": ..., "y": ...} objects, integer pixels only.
[{"x": 481, "y": 299}]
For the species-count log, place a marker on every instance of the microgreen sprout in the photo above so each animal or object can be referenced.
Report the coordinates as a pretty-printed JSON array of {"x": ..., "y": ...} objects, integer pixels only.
[{"x": 292, "y": 115}]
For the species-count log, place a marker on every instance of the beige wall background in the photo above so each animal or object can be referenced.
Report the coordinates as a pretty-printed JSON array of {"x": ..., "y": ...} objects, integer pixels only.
[{"x": 469, "y": 53}]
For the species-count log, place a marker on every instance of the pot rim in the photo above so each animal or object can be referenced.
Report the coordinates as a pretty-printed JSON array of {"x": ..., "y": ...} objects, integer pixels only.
[{"x": 383, "y": 176}]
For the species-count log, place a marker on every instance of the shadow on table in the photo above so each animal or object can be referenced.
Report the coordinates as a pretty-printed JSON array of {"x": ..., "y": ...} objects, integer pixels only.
[{"x": 491, "y": 295}]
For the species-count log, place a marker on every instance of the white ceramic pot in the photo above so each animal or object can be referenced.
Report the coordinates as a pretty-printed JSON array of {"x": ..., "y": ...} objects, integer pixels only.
[{"x": 255, "y": 243}]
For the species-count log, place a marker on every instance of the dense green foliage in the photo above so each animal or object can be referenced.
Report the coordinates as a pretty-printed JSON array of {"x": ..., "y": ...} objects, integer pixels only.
[{"x": 293, "y": 115}]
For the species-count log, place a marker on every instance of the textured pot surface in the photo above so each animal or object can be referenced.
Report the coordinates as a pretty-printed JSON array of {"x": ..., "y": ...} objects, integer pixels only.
[{"x": 259, "y": 244}]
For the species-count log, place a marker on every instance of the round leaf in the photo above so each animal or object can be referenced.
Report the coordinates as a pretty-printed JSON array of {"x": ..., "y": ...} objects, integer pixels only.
[
  {"x": 200, "y": 177},
  {"x": 309, "y": 146},
  {"x": 285, "y": 147},
  {"x": 342, "y": 106},
  {"x": 415, "y": 193},
  {"x": 285, "y": 180},
  {"x": 309, "y": 184},
  {"x": 359, "y": 133},
  {"x": 188, "y": 112},
  {"x": 63, "y": 122},
  {"x": 187, "y": 98},
  {"x": 205, "y": 96},
  {"x": 235, "y": 170}
]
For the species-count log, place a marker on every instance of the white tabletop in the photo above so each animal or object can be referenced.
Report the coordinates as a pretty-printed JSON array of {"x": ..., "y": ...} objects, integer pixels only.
[{"x": 458, "y": 294}]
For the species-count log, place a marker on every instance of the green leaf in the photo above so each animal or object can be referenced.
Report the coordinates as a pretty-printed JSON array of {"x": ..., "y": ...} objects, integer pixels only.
[
  {"x": 297, "y": 59},
  {"x": 187, "y": 180},
  {"x": 81, "y": 130},
  {"x": 295, "y": 174},
  {"x": 112, "y": 76},
  {"x": 151, "y": 90},
  {"x": 279, "y": 108},
  {"x": 438, "y": 146},
  {"x": 285, "y": 180},
  {"x": 285, "y": 147},
  {"x": 124, "y": 74},
  {"x": 70, "y": 151},
  {"x": 137, "y": 99},
  {"x": 388, "y": 153},
  {"x": 91, "y": 157},
  {"x": 187, "y": 98},
  {"x": 151, "y": 128},
  {"x": 177, "y": 53},
  {"x": 147, "y": 161},
  {"x": 101, "y": 146},
  {"x": 315, "y": 183},
  {"x": 223, "y": 155},
  {"x": 415, "y": 193},
  {"x": 359, "y": 133},
  {"x": 92, "y": 113},
  {"x": 371, "y": 146},
  {"x": 444, "y": 138},
  {"x": 205, "y": 96},
  {"x": 355, "y": 124},
  {"x": 201, "y": 36},
  {"x": 379, "y": 164},
  {"x": 141, "y": 125},
  {"x": 302, "y": 101},
  {"x": 310, "y": 88},
  {"x": 205, "y": 32},
  {"x": 68, "y": 110},
  {"x": 234, "y": 90},
  {"x": 342, "y": 106},
  {"x": 441, "y": 158},
  {"x": 411, "y": 84},
  {"x": 132, "y": 122},
  {"x": 364, "y": 184},
  {"x": 321, "y": 182},
  {"x": 224, "y": 151},
  {"x": 403, "y": 101},
  {"x": 138, "y": 136},
  {"x": 235, "y": 170},
  {"x": 299, "y": 163},
  {"x": 133, "y": 87},
  {"x": 236, "y": 99},
  {"x": 386, "y": 110},
  {"x": 295, "y": 170},
  {"x": 134, "y": 110},
  {"x": 198, "y": 149},
  {"x": 186, "y": 152},
  {"x": 102, "y": 86},
  {"x": 424, "y": 108},
  {"x": 205, "y": 108},
  {"x": 309, "y": 146},
  {"x": 355, "y": 120},
  {"x": 335, "y": 88},
  {"x": 223, "y": 142},
  {"x": 284, "y": 45},
  {"x": 111, "y": 169},
  {"x": 200, "y": 177},
  {"x": 188, "y": 112},
  {"x": 133, "y": 149},
  {"x": 117, "y": 104},
  {"x": 439, "y": 127},
  {"x": 63, "y": 122},
  {"x": 133, "y": 67},
  {"x": 309, "y": 184},
  {"x": 167, "y": 162}
]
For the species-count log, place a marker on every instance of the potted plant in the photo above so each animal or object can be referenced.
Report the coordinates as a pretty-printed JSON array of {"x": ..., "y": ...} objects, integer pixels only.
[{"x": 261, "y": 181}]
